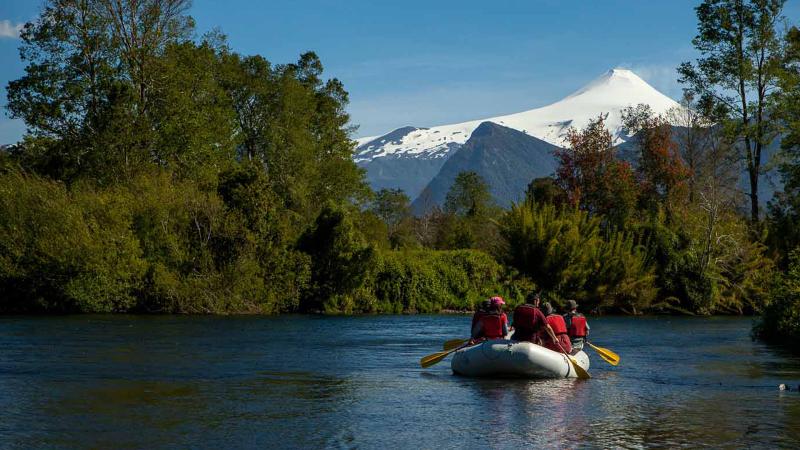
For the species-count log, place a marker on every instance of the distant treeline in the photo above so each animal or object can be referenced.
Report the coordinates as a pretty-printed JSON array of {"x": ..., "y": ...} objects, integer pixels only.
[{"x": 164, "y": 173}]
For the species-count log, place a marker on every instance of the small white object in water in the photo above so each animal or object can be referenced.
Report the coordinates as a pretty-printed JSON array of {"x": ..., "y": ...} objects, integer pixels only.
[{"x": 783, "y": 387}]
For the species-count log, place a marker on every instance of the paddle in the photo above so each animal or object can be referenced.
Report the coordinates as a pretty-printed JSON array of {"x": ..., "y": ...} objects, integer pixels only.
[
  {"x": 434, "y": 358},
  {"x": 453, "y": 343},
  {"x": 580, "y": 371},
  {"x": 607, "y": 355}
]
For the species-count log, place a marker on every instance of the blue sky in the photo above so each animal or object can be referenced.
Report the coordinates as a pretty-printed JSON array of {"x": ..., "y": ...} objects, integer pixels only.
[{"x": 427, "y": 63}]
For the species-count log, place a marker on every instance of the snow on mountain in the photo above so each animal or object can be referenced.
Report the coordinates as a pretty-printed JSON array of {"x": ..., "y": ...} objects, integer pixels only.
[{"x": 608, "y": 95}]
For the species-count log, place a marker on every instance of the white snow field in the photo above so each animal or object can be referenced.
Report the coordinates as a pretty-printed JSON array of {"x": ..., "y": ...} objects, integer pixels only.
[{"x": 607, "y": 95}]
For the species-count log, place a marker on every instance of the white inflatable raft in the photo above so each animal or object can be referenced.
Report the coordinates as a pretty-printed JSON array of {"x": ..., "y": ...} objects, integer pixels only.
[{"x": 503, "y": 357}]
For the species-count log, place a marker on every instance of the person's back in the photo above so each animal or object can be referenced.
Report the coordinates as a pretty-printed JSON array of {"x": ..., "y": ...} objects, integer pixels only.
[
  {"x": 493, "y": 324},
  {"x": 528, "y": 321},
  {"x": 483, "y": 309},
  {"x": 559, "y": 327},
  {"x": 577, "y": 326}
]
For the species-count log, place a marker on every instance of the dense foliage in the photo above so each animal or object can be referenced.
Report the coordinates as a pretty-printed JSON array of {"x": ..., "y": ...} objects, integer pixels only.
[
  {"x": 566, "y": 253},
  {"x": 161, "y": 174},
  {"x": 430, "y": 281},
  {"x": 781, "y": 319},
  {"x": 737, "y": 76},
  {"x": 164, "y": 173}
]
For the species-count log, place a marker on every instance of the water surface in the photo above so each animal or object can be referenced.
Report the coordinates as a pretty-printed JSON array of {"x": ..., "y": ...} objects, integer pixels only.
[{"x": 355, "y": 382}]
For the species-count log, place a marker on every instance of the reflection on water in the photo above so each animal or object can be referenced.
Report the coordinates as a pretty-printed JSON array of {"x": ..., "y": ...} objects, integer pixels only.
[{"x": 288, "y": 382}]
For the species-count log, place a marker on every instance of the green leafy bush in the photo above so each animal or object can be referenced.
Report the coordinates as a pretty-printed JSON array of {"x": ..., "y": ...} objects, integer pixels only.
[
  {"x": 432, "y": 281},
  {"x": 565, "y": 253},
  {"x": 781, "y": 318},
  {"x": 340, "y": 259},
  {"x": 61, "y": 252},
  {"x": 155, "y": 244}
]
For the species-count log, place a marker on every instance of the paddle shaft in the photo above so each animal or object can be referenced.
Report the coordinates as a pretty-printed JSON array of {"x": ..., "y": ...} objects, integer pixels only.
[
  {"x": 580, "y": 371},
  {"x": 434, "y": 358},
  {"x": 453, "y": 343}
]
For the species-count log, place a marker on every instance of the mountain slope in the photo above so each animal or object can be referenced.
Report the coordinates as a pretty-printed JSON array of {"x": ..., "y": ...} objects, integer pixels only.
[
  {"x": 408, "y": 158},
  {"x": 608, "y": 94},
  {"x": 507, "y": 160},
  {"x": 395, "y": 171}
]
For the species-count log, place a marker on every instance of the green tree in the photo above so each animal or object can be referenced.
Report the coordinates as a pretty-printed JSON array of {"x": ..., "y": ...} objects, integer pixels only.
[
  {"x": 784, "y": 208},
  {"x": 468, "y": 196},
  {"x": 545, "y": 191},
  {"x": 340, "y": 260},
  {"x": 394, "y": 207},
  {"x": 469, "y": 215},
  {"x": 114, "y": 86},
  {"x": 193, "y": 120},
  {"x": 738, "y": 73},
  {"x": 68, "y": 86},
  {"x": 781, "y": 319},
  {"x": 296, "y": 126}
]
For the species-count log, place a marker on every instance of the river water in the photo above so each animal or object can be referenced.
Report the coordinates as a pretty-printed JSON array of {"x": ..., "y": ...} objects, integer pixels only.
[{"x": 355, "y": 382}]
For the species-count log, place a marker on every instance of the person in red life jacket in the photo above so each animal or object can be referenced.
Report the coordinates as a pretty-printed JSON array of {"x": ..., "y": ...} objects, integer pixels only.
[
  {"x": 494, "y": 324},
  {"x": 530, "y": 323},
  {"x": 577, "y": 327},
  {"x": 559, "y": 327},
  {"x": 483, "y": 309}
]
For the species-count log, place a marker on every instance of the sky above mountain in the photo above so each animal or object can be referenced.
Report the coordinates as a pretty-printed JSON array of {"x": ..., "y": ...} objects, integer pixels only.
[{"x": 428, "y": 63}]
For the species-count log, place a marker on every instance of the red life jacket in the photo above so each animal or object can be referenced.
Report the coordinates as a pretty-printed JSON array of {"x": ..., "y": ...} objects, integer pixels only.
[
  {"x": 493, "y": 325},
  {"x": 475, "y": 317},
  {"x": 557, "y": 323},
  {"x": 577, "y": 327},
  {"x": 527, "y": 318}
]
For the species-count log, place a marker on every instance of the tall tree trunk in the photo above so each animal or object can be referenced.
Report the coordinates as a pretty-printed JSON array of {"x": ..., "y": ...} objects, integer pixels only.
[{"x": 753, "y": 195}]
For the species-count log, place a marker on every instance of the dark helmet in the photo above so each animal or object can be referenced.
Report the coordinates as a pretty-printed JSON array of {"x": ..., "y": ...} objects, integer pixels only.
[
  {"x": 572, "y": 304},
  {"x": 532, "y": 297},
  {"x": 485, "y": 305}
]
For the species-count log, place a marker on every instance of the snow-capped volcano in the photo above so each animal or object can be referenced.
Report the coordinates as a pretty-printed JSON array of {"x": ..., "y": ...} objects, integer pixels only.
[
  {"x": 409, "y": 158},
  {"x": 608, "y": 94}
]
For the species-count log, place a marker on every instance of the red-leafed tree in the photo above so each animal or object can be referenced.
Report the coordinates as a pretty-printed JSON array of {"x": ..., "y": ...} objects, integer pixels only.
[
  {"x": 661, "y": 172},
  {"x": 592, "y": 178}
]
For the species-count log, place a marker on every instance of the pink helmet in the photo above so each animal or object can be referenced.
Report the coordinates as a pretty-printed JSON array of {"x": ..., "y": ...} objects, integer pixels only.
[{"x": 497, "y": 301}]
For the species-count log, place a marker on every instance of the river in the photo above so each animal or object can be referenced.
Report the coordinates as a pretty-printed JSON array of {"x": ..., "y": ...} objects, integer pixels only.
[{"x": 354, "y": 382}]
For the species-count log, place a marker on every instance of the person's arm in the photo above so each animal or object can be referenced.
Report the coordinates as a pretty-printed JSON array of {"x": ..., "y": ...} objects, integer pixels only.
[
  {"x": 505, "y": 328},
  {"x": 477, "y": 330},
  {"x": 551, "y": 333}
]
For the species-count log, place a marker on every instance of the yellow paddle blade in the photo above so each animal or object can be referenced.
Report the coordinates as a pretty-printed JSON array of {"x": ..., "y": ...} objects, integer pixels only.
[
  {"x": 433, "y": 359},
  {"x": 582, "y": 373},
  {"x": 454, "y": 343},
  {"x": 607, "y": 355}
]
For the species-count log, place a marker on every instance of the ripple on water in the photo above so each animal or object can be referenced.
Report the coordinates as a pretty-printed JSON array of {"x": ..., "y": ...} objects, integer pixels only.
[{"x": 355, "y": 382}]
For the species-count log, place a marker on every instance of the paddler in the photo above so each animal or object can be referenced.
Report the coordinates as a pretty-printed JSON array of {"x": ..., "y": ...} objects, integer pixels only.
[
  {"x": 483, "y": 309},
  {"x": 559, "y": 327},
  {"x": 493, "y": 324},
  {"x": 577, "y": 328},
  {"x": 530, "y": 322}
]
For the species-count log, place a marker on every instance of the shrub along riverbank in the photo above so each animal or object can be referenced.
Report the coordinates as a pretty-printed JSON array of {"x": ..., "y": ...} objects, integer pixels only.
[{"x": 167, "y": 246}]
